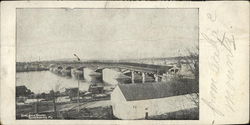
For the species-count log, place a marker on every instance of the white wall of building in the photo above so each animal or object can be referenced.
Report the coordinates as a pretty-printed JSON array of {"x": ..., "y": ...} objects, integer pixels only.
[
  {"x": 119, "y": 103},
  {"x": 137, "y": 109}
]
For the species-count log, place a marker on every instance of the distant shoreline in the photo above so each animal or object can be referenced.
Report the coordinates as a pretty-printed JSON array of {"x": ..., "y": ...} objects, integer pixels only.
[{"x": 31, "y": 70}]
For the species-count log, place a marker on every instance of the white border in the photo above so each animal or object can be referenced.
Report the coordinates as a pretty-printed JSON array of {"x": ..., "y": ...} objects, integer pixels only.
[{"x": 228, "y": 14}]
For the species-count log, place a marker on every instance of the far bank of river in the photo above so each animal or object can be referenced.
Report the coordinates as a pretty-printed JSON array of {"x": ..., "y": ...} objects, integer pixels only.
[{"x": 28, "y": 68}]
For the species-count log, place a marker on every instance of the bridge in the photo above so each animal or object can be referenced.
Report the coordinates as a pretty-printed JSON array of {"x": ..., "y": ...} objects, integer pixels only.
[{"x": 145, "y": 70}]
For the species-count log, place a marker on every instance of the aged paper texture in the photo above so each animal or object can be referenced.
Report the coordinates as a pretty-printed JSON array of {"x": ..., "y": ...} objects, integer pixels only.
[{"x": 99, "y": 62}]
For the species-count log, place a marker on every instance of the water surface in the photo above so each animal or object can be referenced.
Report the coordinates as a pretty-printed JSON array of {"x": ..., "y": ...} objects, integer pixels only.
[{"x": 44, "y": 81}]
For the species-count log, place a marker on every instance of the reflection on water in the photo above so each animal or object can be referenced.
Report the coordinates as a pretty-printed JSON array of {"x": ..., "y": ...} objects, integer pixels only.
[{"x": 44, "y": 81}]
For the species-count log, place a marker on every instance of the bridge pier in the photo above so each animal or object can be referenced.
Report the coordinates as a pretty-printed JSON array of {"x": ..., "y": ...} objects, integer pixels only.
[
  {"x": 156, "y": 77},
  {"x": 143, "y": 77},
  {"x": 132, "y": 76},
  {"x": 77, "y": 73}
]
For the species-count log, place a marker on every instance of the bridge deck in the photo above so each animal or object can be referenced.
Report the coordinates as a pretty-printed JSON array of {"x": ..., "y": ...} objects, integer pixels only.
[{"x": 146, "y": 68}]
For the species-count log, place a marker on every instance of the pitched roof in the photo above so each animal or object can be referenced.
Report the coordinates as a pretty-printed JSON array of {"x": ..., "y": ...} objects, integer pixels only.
[{"x": 133, "y": 92}]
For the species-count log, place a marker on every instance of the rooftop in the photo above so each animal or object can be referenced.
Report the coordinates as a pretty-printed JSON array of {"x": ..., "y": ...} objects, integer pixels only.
[{"x": 133, "y": 92}]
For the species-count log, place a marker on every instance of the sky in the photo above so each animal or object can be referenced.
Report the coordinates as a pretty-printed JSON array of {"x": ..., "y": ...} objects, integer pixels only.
[{"x": 51, "y": 34}]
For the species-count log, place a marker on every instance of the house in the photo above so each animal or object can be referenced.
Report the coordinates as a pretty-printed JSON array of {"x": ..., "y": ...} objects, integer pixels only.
[{"x": 137, "y": 101}]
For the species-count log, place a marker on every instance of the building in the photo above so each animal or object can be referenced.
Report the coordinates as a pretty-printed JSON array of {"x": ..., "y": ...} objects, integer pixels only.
[{"x": 137, "y": 101}]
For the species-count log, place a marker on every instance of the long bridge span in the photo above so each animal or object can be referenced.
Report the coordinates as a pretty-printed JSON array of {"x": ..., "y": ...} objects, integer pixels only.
[{"x": 144, "y": 70}]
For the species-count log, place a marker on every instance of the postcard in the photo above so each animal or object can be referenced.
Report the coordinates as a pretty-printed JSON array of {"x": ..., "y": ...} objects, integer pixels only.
[{"x": 107, "y": 62}]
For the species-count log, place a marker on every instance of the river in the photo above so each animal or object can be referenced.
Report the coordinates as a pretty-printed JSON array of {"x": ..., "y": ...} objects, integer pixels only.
[{"x": 44, "y": 81}]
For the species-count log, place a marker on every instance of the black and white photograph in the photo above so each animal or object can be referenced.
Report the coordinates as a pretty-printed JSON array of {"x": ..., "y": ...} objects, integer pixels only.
[
  {"x": 107, "y": 63},
  {"x": 124, "y": 62}
]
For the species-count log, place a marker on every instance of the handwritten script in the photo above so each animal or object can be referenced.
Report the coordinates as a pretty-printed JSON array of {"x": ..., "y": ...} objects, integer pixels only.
[{"x": 223, "y": 45}]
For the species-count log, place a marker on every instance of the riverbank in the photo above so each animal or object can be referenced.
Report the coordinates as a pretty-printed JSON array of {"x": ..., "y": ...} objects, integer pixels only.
[{"x": 31, "y": 70}]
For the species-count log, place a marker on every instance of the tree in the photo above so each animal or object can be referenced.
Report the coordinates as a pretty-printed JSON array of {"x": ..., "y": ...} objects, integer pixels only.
[
  {"x": 72, "y": 92},
  {"x": 53, "y": 96},
  {"x": 43, "y": 95},
  {"x": 22, "y": 91},
  {"x": 192, "y": 61}
]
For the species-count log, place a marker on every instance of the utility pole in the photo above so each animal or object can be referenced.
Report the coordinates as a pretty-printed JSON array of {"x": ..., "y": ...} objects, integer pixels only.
[
  {"x": 36, "y": 105},
  {"x": 54, "y": 103},
  {"x": 78, "y": 92}
]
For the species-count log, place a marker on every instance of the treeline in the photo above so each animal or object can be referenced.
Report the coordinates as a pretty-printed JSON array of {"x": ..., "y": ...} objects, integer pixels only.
[{"x": 25, "y": 67}]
